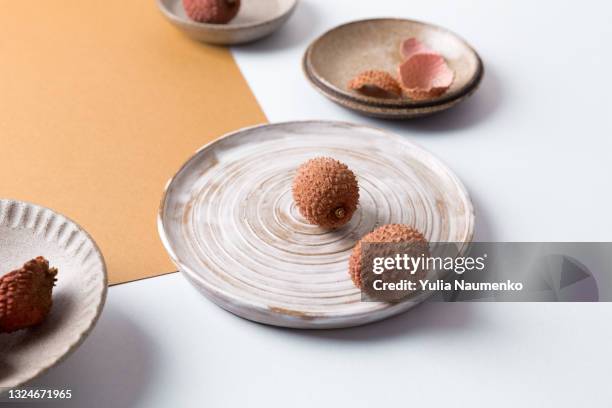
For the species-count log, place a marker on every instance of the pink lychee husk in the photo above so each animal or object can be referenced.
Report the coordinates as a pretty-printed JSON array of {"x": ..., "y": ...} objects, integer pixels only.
[
  {"x": 413, "y": 46},
  {"x": 212, "y": 11},
  {"x": 425, "y": 76}
]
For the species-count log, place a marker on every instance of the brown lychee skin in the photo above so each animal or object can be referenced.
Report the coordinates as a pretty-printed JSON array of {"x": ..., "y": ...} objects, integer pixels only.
[
  {"x": 25, "y": 295},
  {"x": 326, "y": 192},
  {"x": 212, "y": 11},
  {"x": 377, "y": 84},
  {"x": 390, "y": 233}
]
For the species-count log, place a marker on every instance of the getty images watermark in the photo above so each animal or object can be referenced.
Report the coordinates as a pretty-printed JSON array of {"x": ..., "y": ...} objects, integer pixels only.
[{"x": 485, "y": 272}]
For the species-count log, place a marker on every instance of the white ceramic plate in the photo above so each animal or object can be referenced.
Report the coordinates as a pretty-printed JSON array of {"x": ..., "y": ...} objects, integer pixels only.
[
  {"x": 229, "y": 222},
  {"x": 28, "y": 231},
  {"x": 256, "y": 19}
]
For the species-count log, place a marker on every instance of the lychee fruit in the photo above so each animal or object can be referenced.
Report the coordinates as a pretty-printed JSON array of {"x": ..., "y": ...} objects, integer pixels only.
[
  {"x": 212, "y": 11},
  {"x": 25, "y": 295},
  {"x": 403, "y": 239},
  {"x": 326, "y": 192},
  {"x": 378, "y": 84}
]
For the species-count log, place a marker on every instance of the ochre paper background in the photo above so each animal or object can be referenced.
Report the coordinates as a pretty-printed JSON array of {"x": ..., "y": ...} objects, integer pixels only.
[{"x": 100, "y": 103}]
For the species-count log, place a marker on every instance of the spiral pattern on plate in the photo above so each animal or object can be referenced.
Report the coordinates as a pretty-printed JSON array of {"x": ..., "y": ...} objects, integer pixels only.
[{"x": 230, "y": 222}]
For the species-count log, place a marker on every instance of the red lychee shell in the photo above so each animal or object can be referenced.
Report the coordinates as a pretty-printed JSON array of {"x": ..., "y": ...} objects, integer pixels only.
[
  {"x": 413, "y": 46},
  {"x": 212, "y": 11},
  {"x": 425, "y": 76},
  {"x": 25, "y": 295},
  {"x": 375, "y": 83}
]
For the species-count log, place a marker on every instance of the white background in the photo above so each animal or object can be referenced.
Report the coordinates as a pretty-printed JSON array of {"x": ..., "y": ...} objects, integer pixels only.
[{"x": 533, "y": 148}]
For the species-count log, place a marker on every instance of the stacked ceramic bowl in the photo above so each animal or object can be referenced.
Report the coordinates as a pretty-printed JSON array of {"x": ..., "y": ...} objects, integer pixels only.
[{"x": 339, "y": 55}]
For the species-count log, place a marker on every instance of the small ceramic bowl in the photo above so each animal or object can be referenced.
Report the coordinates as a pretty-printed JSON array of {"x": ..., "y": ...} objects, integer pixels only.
[
  {"x": 382, "y": 111},
  {"x": 342, "y": 53},
  {"x": 256, "y": 19},
  {"x": 28, "y": 231}
]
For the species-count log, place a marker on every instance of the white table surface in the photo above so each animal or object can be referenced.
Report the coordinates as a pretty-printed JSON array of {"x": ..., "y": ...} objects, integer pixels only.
[{"x": 532, "y": 147}]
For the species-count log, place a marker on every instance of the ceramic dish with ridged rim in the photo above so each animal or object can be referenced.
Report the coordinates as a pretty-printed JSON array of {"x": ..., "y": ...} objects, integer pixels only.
[
  {"x": 228, "y": 220},
  {"x": 380, "y": 111},
  {"x": 28, "y": 231},
  {"x": 342, "y": 53},
  {"x": 256, "y": 19}
]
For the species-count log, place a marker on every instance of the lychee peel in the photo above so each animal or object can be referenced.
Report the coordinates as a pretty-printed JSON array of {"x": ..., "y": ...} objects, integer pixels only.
[
  {"x": 412, "y": 46},
  {"x": 375, "y": 83},
  {"x": 425, "y": 76}
]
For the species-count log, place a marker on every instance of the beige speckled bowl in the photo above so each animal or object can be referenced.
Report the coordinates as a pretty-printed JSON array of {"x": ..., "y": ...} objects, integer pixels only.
[
  {"x": 256, "y": 19},
  {"x": 382, "y": 111},
  {"x": 339, "y": 55},
  {"x": 27, "y": 231}
]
